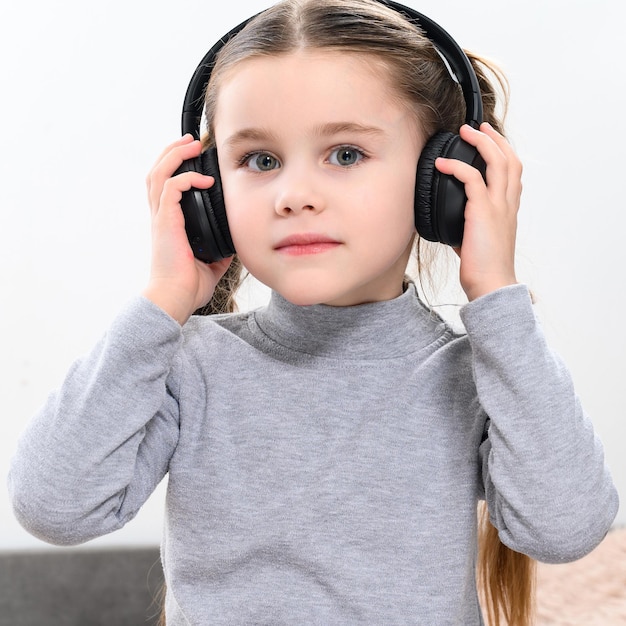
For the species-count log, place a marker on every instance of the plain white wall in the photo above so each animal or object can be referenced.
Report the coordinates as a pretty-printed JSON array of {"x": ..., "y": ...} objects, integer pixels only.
[{"x": 92, "y": 93}]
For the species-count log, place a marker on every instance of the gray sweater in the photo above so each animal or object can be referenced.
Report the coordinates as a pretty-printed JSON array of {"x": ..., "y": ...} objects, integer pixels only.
[{"x": 324, "y": 463}]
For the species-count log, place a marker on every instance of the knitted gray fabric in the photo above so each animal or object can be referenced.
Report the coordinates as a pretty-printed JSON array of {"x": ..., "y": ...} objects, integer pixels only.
[{"x": 324, "y": 463}]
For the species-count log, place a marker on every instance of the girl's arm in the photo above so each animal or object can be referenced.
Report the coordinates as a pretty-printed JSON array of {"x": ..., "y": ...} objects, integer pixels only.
[
  {"x": 546, "y": 483},
  {"x": 100, "y": 445},
  {"x": 548, "y": 489}
]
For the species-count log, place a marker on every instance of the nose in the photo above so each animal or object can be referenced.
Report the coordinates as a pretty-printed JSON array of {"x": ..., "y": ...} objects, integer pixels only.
[{"x": 298, "y": 193}]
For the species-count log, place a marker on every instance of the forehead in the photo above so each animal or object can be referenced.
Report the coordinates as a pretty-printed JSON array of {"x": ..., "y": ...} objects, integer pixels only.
[{"x": 308, "y": 87}]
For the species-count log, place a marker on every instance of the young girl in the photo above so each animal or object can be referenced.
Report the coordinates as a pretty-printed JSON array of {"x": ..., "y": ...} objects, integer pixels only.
[{"x": 326, "y": 453}]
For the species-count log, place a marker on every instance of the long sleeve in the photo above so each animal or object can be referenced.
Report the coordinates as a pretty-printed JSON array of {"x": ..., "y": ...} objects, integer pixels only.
[
  {"x": 101, "y": 444},
  {"x": 549, "y": 492}
]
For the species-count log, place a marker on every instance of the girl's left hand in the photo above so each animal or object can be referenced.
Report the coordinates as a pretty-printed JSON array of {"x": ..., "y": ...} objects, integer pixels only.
[{"x": 487, "y": 252}]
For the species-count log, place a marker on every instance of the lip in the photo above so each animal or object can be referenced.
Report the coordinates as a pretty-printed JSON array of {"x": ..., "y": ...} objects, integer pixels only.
[{"x": 306, "y": 243}]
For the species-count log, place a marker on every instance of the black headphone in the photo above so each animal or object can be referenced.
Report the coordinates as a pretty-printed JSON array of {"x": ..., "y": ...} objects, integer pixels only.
[{"x": 439, "y": 199}]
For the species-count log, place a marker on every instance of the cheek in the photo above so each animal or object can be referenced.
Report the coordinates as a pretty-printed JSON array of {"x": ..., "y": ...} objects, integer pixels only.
[
  {"x": 242, "y": 229},
  {"x": 404, "y": 199},
  {"x": 240, "y": 211},
  {"x": 397, "y": 197},
  {"x": 249, "y": 232}
]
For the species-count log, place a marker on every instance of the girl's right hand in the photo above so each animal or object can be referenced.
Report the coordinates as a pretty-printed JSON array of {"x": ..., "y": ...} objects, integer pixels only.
[{"x": 179, "y": 283}]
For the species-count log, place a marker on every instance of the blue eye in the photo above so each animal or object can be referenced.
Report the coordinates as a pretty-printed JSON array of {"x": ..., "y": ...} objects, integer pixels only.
[
  {"x": 261, "y": 162},
  {"x": 346, "y": 156}
]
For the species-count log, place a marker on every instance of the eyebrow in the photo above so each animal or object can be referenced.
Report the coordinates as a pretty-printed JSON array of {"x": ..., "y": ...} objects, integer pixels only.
[
  {"x": 336, "y": 128},
  {"x": 324, "y": 130},
  {"x": 248, "y": 134}
]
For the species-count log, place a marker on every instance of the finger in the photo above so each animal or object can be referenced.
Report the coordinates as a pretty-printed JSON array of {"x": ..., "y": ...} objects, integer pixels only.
[
  {"x": 465, "y": 173},
  {"x": 185, "y": 139},
  {"x": 514, "y": 164},
  {"x": 171, "y": 158},
  {"x": 174, "y": 187},
  {"x": 170, "y": 161},
  {"x": 494, "y": 157}
]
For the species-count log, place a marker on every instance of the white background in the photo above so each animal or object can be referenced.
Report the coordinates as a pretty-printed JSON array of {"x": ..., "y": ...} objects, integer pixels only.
[{"x": 91, "y": 93}]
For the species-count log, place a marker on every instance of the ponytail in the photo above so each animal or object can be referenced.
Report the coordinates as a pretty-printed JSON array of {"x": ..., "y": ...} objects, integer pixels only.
[
  {"x": 223, "y": 300},
  {"x": 506, "y": 579}
]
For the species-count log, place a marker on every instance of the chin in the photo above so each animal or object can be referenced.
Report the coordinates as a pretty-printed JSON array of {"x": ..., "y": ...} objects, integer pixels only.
[
  {"x": 309, "y": 297},
  {"x": 302, "y": 299},
  {"x": 304, "y": 294}
]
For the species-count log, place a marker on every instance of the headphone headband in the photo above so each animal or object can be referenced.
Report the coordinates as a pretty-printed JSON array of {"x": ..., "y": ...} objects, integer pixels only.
[
  {"x": 447, "y": 47},
  {"x": 193, "y": 104},
  {"x": 454, "y": 55}
]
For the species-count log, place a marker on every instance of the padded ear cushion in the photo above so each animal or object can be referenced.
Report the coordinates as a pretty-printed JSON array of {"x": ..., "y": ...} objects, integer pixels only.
[
  {"x": 214, "y": 204},
  {"x": 426, "y": 186},
  {"x": 440, "y": 199}
]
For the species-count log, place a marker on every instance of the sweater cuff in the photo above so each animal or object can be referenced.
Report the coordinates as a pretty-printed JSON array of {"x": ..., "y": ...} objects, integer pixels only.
[
  {"x": 499, "y": 311},
  {"x": 142, "y": 325}
]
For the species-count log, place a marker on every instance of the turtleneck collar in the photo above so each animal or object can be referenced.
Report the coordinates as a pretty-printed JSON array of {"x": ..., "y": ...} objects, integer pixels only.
[{"x": 378, "y": 330}]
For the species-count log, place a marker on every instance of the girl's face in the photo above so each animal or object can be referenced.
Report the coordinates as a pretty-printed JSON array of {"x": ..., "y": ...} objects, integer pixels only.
[{"x": 318, "y": 162}]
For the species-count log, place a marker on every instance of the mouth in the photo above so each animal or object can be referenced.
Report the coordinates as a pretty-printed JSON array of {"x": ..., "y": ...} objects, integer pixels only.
[{"x": 306, "y": 243}]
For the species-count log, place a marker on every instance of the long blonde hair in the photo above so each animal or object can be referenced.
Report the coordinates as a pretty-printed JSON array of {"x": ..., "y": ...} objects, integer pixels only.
[{"x": 422, "y": 80}]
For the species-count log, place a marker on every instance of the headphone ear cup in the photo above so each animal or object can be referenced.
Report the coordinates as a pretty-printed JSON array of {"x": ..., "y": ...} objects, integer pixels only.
[
  {"x": 440, "y": 199},
  {"x": 214, "y": 203},
  {"x": 205, "y": 213}
]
